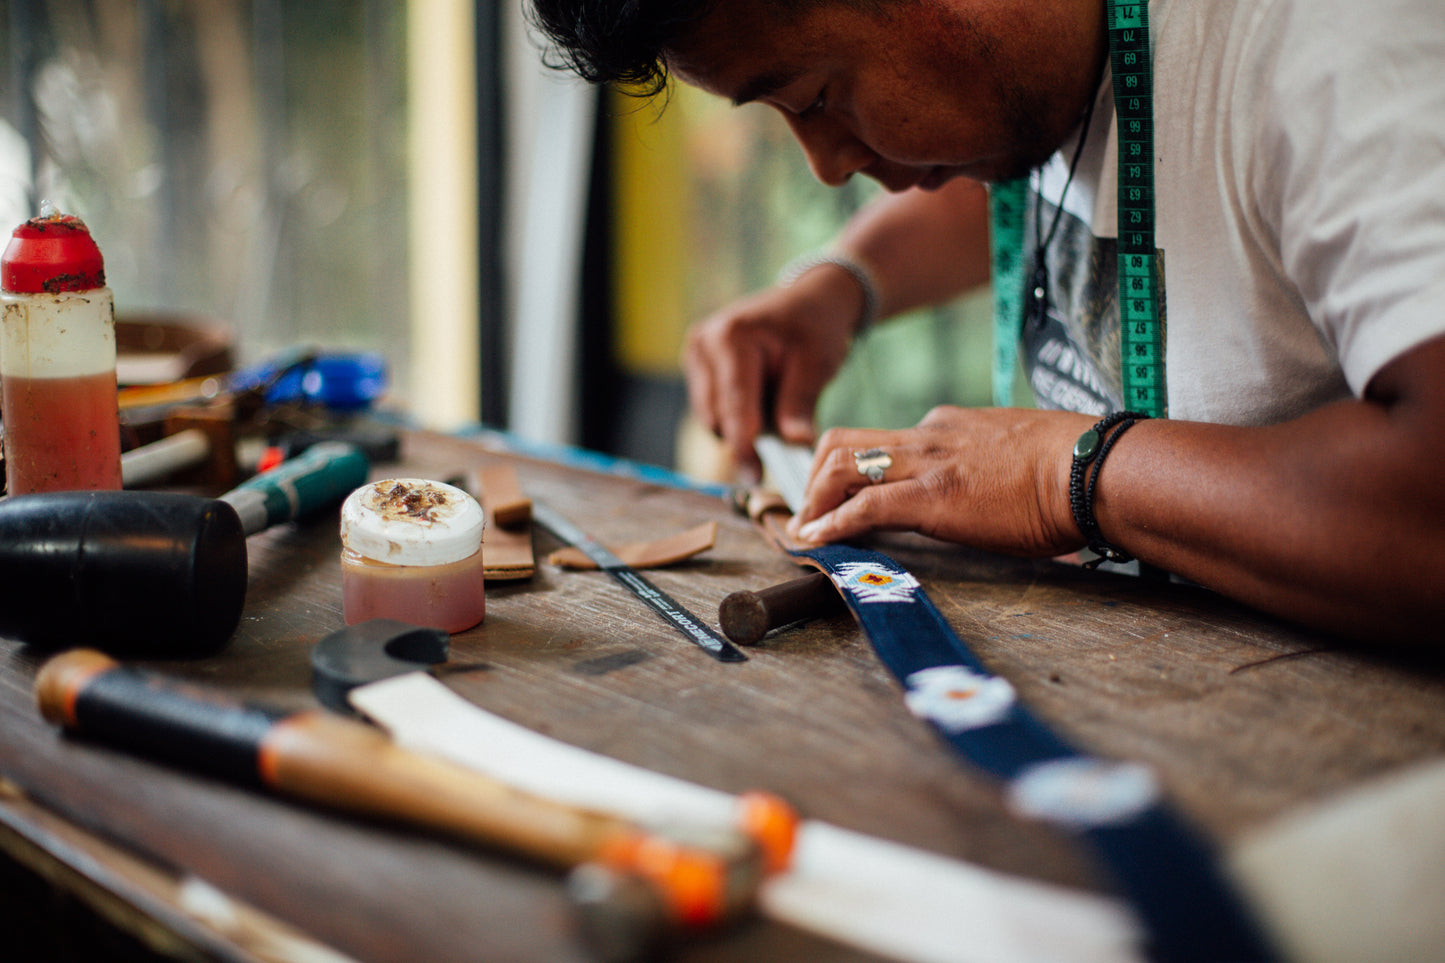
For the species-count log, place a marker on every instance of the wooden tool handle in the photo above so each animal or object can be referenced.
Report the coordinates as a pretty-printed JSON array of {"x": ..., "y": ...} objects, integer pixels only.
[
  {"x": 314, "y": 756},
  {"x": 350, "y": 766},
  {"x": 745, "y": 617},
  {"x": 339, "y": 763}
]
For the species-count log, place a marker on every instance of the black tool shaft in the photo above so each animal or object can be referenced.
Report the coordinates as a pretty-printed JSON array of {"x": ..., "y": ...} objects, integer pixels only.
[
  {"x": 659, "y": 601},
  {"x": 139, "y": 712}
]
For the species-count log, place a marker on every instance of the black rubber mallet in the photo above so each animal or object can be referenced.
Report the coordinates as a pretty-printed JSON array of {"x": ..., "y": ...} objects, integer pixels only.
[{"x": 133, "y": 572}]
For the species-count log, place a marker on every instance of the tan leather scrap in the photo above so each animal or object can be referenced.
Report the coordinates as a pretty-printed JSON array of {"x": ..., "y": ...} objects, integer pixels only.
[
  {"x": 507, "y": 539},
  {"x": 653, "y": 554}
]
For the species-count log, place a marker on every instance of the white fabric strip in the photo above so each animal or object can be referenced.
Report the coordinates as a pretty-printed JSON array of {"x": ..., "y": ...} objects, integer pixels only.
[
  {"x": 1359, "y": 875},
  {"x": 788, "y": 467},
  {"x": 893, "y": 900}
]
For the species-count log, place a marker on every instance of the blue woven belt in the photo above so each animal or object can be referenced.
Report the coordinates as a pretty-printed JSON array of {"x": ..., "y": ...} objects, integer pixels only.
[{"x": 1168, "y": 872}]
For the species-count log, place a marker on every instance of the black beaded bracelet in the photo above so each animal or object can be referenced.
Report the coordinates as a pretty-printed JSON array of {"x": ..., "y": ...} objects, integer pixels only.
[{"x": 1090, "y": 451}]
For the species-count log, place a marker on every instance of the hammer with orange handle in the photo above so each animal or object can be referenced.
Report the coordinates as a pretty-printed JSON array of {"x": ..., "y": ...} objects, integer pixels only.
[{"x": 632, "y": 885}]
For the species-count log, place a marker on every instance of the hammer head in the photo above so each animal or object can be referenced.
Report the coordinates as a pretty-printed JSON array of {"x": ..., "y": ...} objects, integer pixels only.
[
  {"x": 369, "y": 652},
  {"x": 620, "y": 917},
  {"x": 646, "y": 890}
]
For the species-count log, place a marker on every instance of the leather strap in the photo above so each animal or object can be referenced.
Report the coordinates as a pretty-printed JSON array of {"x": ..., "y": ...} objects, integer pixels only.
[
  {"x": 507, "y": 542},
  {"x": 1170, "y": 874},
  {"x": 509, "y": 506}
]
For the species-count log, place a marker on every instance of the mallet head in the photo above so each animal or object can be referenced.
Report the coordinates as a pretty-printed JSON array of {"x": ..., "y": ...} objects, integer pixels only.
[{"x": 123, "y": 571}]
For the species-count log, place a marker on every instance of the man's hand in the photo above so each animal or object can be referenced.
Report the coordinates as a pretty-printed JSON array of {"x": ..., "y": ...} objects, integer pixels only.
[
  {"x": 995, "y": 478},
  {"x": 1335, "y": 519},
  {"x": 764, "y": 360},
  {"x": 761, "y": 362}
]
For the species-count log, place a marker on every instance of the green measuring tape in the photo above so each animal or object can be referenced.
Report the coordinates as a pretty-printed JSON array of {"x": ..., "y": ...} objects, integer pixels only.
[
  {"x": 1140, "y": 263},
  {"x": 1006, "y": 202},
  {"x": 1141, "y": 322}
]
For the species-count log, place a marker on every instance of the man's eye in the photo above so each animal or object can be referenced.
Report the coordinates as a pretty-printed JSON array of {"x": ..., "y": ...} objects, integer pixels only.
[{"x": 816, "y": 108}]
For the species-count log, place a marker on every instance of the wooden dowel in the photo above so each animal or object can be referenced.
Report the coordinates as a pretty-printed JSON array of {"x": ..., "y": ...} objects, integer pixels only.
[{"x": 746, "y": 616}]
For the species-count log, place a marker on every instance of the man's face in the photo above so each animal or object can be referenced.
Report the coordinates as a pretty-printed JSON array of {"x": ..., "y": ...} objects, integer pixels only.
[{"x": 913, "y": 93}]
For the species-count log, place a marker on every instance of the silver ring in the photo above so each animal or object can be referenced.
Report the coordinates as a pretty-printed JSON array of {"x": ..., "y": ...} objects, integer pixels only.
[{"x": 873, "y": 463}]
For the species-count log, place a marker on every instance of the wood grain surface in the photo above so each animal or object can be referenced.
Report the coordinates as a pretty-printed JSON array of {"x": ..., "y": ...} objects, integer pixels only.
[{"x": 1243, "y": 717}]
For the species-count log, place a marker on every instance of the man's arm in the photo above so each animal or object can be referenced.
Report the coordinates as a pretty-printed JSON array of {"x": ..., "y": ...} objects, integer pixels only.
[
  {"x": 923, "y": 247},
  {"x": 1335, "y": 519}
]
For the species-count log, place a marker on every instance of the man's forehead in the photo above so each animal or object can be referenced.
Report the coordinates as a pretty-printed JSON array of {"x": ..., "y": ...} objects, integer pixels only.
[{"x": 736, "y": 51}]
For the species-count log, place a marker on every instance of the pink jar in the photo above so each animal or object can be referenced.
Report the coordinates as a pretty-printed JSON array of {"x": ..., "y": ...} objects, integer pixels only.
[{"x": 411, "y": 550}]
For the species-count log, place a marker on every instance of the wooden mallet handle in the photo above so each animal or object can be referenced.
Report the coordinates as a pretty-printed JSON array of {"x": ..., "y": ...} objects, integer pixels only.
[
  {"x": 745, "y": 617},
  {"x": 347, "y": 765},
  {"x": 315, "y": 756}
]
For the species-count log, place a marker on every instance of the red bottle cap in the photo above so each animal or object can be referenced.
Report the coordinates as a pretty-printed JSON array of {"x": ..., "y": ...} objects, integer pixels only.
[{"x": 51, "y": 254}]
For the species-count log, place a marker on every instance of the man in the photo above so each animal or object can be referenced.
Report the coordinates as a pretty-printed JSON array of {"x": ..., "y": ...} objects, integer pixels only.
[{"x": 1300, "y": 194}]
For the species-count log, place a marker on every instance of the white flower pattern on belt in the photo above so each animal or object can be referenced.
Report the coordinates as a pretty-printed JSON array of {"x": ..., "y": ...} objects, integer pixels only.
[
  {"x": 957, "y": 699},
  {"x": 1083, "y": 792}
]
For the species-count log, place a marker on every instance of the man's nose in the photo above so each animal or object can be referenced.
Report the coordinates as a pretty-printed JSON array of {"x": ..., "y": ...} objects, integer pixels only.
[{"x": 833, "y": 152}]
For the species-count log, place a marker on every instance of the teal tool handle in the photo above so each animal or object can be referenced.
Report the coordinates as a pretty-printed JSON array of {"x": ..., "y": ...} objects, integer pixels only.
[{"x": 321, "y": 477}]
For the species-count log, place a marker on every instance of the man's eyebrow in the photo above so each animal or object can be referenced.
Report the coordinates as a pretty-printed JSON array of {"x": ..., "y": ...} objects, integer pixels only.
[{"x": 766, "y": 83}]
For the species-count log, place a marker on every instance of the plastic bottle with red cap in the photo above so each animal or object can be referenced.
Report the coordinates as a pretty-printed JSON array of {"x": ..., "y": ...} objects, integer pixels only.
[{"x": 57, "y": 360}]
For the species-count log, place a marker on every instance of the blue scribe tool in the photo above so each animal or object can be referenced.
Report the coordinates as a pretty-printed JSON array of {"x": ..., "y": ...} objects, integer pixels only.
[
  {"x": 323, "y": 476},
  {"x": 1168, "y": 872},
  {"x": 339, "y": 381}
]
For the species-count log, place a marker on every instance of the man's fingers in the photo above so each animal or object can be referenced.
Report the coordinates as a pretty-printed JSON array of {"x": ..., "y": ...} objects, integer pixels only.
[
  {"x": 840, "y": 470},
  {"x": 759, "y": 364},
  {"x": 798, "y": 391},
  {"x": 741, "y": 376},
  {"x": 701, "y": 387},
  {"x": 892, "y": 506}
]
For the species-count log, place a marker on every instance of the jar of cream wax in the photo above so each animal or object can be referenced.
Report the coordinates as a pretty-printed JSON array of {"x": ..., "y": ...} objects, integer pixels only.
[{"x": 411, "y": 550}]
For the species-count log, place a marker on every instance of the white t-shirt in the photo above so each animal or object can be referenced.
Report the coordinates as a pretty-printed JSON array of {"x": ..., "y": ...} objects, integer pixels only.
[{"x": 1300, "y": 206}]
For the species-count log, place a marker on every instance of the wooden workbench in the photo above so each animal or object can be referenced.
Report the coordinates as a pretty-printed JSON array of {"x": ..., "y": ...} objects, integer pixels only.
[{"x": 1244, "y": 718}]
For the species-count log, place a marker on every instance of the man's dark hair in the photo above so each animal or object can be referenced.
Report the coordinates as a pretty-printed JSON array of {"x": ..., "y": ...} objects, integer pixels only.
[{"x": 616, "y": 41}]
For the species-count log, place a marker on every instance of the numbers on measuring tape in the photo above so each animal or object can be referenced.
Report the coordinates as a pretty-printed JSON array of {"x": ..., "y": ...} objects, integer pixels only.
[
  {"x": 1007, "y": 201},
  {"x": 1140, "y": 262},
  {"x": 1140, "y": 267}
]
